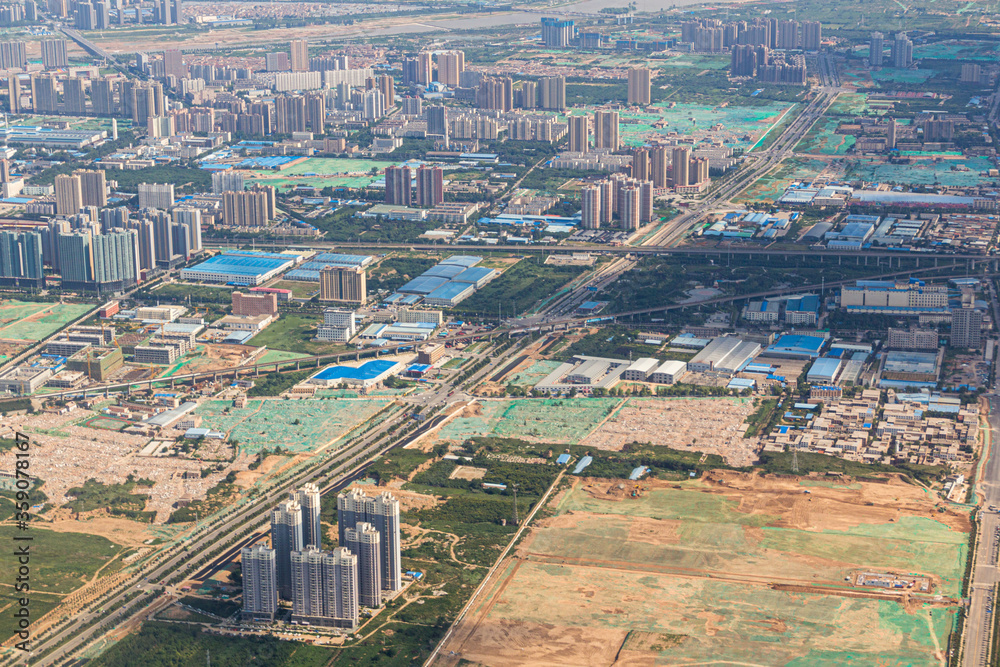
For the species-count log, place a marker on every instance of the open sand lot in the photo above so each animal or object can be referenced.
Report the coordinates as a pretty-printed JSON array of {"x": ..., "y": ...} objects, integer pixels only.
[
  {"x": 712, "y": 425},
  {"x": 746, "y": 569}
]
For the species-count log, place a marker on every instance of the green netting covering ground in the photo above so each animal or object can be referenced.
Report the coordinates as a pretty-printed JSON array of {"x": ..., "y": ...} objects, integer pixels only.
[
  {"x": 297, "y": 426},
  {"x": 280, "y": 355},
  {"x": 323, "y": 172},
  {"x": 773, "y": 185},
  {"x": 823, "y": 139},
  {"x": 533, "y": 374},
  {"x": 958, "y": 49},
  {"x": 737, "y": 122},
  {"x": 30, "y": 321},
  {"x": 944, "y": 172},
  {"x": 886, "y": 75},
  {"x": 564, "y": 421}
]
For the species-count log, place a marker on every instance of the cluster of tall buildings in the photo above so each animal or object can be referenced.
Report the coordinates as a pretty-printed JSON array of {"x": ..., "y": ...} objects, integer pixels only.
[
  {"x": 605, "y": 132},
  {"x": 21, "y": 259},
  {"x": 419, "y": 70},
  {"x": 766, "y": 65},
  {"x": 399, "y": 188},
  {"x": 628, "y": 199},
  {"x": 713, "y": 35},
  {"x": 900, "y": 54},
  {"x": 253, "y": 208},
  {"x": 325, "y": 587}
]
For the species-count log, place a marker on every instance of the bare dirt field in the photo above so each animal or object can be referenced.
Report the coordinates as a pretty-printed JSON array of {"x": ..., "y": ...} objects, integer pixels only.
[
  {"x": 711, "y": 425},
  {"x": 744, "y": 568},
  {"x": 467, "y": 472}
]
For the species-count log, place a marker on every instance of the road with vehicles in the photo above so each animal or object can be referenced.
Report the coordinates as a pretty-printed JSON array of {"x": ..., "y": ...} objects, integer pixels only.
[
  {"x": 979, "y": 615},
  {"x": 348, "y": 465}
]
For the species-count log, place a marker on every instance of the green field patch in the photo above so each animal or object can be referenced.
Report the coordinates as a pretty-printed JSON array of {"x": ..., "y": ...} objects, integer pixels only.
[
  {"x": 958, "y": 49},
  {"x": 549, "y": 420},
  {"x": 907, "y": 76},
  {"x": 965, "y": 172},
  {"x": 33, "y": 321},
  {"x": 61, "y": 562},
  {"x": 772, "y": 186},
  {"x": 104, "y": 423},
  {"x": 294, "y": 426},
  {"x": 280, "y": 355},
  {"x": 534, "y": 373}
]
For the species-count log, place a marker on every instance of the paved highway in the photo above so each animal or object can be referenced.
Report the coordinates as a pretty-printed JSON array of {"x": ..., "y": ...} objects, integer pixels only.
[{"x": 985, "y": 575}]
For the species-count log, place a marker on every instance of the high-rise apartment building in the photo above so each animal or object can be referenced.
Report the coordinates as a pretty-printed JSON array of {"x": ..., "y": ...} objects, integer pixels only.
[
  {"x": 365, "y": 542},
  {"x": 681, "y": 173},
  {"x": 553, "y": 92},
  {"x": 606, "y": 130},
  {"x": 93, "y": 186},
  {"x": 495, "y": 93},
  {"x": 430, "y": 186},
  {"x": 425, "y": 63},
  {"x": 260, "y": 591},
  {"x": 249, "y": 208},
  {"x": 13, "y": 55},
  {"x": 325, "y": 587},
  {"x": 528, "y": 97},
  {"x": 343, "y": 283},
  {"x": 54, "y": 53},
  {"x": 557, "y": 32},
  {"x": 309, "y": 500},
  {"x": 966, "y": 328},
  {"x": 382, "y": 512},
  {"x": 398, "y": 186},
  {"x": 21, "y": 259},
  {"x": 812, "y": 35},
  {"x": 299, "y": 49},
  {"x": 437, "y": 120},
  {"x": 590, "y": 204},
  {"x": 450, "y": 65},
  {"x": 69, "y": 194},
  {"x": 640, "y": 164},
  {"x": 639, "y": 86},
  {"x": 579, "y": 134},
  {"x": 173, "y": 64},
  {"x": 876, "y": 49},
  {"x": 286, "y": 538},
  {"x": 226, "y": 181},
  {"x": 902, "y": 51},
  {"x": 658, "y": 161},
  {"x": 156, "y": 195}
]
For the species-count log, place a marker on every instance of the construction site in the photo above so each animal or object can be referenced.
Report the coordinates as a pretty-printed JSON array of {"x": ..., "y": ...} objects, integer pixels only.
[
  {"x": 68, "y": 449},
  {"x": 710, "y": 425},
  {"x": 747, "y": 568}
]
